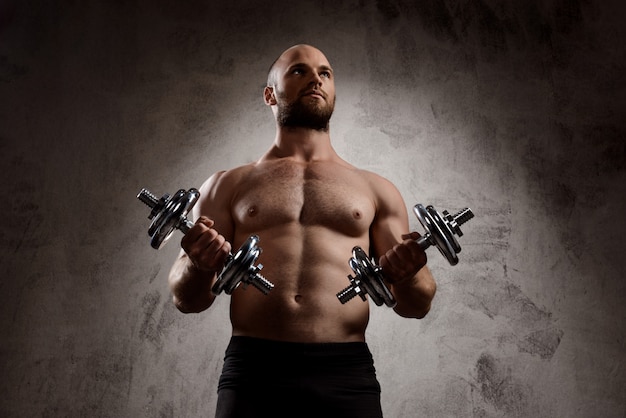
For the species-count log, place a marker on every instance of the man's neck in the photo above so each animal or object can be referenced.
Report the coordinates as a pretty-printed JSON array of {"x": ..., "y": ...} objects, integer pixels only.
[{"x": 301, "y": 144}]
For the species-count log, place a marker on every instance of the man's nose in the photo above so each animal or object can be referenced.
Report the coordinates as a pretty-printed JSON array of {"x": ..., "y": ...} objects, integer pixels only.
[{"x": 316, "y": 79}]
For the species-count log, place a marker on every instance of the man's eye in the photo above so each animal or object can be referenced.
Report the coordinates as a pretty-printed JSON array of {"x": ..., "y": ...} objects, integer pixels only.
[{"x": 325, "y": 74}]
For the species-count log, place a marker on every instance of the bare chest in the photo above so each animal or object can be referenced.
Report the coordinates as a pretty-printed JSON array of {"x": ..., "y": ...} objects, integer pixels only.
[{"x": 315, "y": 194}]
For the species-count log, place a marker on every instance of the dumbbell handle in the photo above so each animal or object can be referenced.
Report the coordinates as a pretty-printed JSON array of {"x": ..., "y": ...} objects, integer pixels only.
[{"x": 185, "y": 225}]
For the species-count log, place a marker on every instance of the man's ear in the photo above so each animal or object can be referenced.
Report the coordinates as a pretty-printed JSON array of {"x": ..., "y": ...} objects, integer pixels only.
[{"x": 268, "y": 94}]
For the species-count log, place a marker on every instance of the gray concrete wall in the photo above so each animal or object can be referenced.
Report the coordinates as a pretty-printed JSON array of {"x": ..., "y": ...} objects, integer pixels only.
[{"x": 515, "y": 109}]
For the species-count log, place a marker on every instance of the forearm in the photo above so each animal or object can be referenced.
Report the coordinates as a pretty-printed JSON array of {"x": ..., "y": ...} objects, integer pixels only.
[
  {"x": 190, "y": 287},
  {"x": 414, "y": 295}
]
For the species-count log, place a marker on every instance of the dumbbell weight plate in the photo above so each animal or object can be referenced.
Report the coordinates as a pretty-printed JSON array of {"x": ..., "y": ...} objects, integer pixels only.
[
  {"x": 370, "y": 278},
  {"x": 238, "y": 266},
  {"x": 172, "y": 216},
  {"x": 438, "y": 233}
]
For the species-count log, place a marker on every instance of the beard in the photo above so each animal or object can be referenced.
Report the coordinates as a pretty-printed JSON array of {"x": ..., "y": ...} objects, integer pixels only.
[{"x": 305, "y": 113}]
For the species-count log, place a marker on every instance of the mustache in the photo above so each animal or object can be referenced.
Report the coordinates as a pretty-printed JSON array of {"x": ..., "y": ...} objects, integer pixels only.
[{"x": 314, "y": 91}]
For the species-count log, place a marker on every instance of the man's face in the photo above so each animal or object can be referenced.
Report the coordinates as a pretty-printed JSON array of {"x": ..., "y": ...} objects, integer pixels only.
[{"x": 304, "y": 89}]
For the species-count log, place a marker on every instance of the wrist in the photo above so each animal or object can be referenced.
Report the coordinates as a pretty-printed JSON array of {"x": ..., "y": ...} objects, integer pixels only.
[
  {"x": 394, "y": 281},
  {"x": 195, "y": 270}
]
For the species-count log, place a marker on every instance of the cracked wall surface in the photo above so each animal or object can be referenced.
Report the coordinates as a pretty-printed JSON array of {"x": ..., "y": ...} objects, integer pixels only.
[{"x": 515, "y": 109}]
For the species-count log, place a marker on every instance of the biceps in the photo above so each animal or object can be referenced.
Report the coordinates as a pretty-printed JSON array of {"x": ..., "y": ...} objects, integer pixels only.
[
  {"x": 213, "y": 204},
  {"x": 388, "y": 228}
]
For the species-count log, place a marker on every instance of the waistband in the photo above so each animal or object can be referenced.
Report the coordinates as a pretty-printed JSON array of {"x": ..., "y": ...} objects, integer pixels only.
[
  {"x": 241, "y": 345},
  {"x": 255, "y": 362}
]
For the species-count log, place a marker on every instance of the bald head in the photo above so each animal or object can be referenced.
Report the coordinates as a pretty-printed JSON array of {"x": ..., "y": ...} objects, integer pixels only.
[
  {"x": 289, "y": 55},
  {"x": 301, "y": 88}
]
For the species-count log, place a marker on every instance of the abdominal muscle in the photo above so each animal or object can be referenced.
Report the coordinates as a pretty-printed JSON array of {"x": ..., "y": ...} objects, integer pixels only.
[{"x": 308, "y": 266}]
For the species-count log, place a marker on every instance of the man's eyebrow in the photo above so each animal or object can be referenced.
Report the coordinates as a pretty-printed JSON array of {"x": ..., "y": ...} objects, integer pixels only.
[{"x": 323, "y": 67}]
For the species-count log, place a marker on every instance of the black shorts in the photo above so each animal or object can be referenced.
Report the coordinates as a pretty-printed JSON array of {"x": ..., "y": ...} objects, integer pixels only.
[{"x": 263, "y": 378}]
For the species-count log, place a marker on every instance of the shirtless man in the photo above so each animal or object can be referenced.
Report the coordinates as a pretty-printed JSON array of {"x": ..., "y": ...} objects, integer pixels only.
[{"x": 310, "y": 208}]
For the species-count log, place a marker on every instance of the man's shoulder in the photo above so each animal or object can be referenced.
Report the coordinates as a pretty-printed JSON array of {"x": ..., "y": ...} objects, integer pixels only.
[
  {"x": 233, "y": 174},
  {"x": 384, "y": 190},
  {"x": 375, "y": 179},
  {"x": 226, "y": 179}
]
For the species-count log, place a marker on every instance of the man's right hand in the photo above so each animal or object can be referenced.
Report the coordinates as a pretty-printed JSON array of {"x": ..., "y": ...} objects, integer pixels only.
[{"x": 206, "y": 248}]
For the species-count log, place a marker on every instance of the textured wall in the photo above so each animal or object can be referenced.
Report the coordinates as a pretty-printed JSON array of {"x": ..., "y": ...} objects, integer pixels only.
[{"x": 515, "y": 109}]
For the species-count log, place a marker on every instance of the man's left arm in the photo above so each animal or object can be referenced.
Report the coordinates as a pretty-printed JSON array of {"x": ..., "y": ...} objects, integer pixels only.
[{"x": 402, "y": 260}]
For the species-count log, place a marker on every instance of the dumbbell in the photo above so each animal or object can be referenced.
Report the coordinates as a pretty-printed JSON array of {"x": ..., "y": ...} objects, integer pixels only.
[
  {"x": 170, "y": 213},
  {"x": 440, "y": 232},
  {"x": 368, "y": 281}
]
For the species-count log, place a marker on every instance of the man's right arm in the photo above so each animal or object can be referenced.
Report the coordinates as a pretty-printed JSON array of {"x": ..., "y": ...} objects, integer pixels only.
[
  {"x": 204, "y": 250},
  {"x": 190, "y": 287}
]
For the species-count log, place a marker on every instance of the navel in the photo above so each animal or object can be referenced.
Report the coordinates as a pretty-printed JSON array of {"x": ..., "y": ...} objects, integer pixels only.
[
  {"x": 357, "y": 214},
  {"x": 252, "y": 211},
  {"x": 298, "y": 298}
]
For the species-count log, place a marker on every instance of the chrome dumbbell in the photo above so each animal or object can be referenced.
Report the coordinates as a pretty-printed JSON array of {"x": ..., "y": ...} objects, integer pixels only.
[
  {"x": 170, "y": 213},
  {"x": 440, "y": 232},
  {"x": 368, "y": 280},
  {"x": 441, "y": 229}
]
